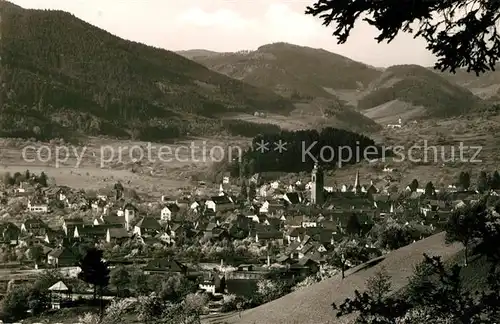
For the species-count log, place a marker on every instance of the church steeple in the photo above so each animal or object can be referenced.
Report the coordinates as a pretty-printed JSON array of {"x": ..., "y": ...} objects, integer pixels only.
[
  {"x": 357, "y": 185},
  {"x": 317, "y": 185}
]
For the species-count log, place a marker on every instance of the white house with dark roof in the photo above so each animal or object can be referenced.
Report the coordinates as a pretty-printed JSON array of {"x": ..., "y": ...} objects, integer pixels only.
[{"x": 147, "y": 226}]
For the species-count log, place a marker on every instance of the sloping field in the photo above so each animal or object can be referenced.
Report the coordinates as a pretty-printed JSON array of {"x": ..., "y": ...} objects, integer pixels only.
[
  {"x": 312, "y": 305},
  {"x": 391, "y": 111},
  {"x": 285, "y": 122}
]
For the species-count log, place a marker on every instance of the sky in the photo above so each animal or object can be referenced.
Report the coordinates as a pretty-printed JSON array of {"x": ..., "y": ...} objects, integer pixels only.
[{"x": 232, "y": 25}]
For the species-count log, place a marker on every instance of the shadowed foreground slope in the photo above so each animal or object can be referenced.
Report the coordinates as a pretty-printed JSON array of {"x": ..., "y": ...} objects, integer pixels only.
[{"x": 313, "y": 304}]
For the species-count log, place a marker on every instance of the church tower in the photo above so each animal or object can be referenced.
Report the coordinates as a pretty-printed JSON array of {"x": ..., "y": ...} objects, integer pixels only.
[
  {"x": 357, "y": 185},
  {"x": 317, "y": 185}
]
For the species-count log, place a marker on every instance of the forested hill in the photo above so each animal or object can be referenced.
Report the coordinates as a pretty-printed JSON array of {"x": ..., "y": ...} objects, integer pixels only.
[{"x": 63, "y": 75}]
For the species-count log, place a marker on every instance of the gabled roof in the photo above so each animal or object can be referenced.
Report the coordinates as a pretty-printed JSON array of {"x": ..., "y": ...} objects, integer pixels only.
[
  {"x": 8, "y": 226},
  {"x": 149, "y": 223},
  {"x": 92, "y": 231},
  {"x": 113, "y": 219},
  {"x": 267, "y": 235},
  {"x": 221, "y": 200},
  {"x": 166, "y": 265},
  {"x": 174, "y": 208},
  {"x": 62, "y": 252},
  {"x": 59, "y": 286},
  {"x": 118, "y": 233},
  {"x": 34, "y": 222},
  {"x": 293, "y": 197},
  {"x": 73, "y": 221},
  {"x": 294, "y": 220}
]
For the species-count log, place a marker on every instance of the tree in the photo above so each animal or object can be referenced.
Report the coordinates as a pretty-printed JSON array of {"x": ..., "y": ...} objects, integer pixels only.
[
  {"x": 445, "y": 25},
  {"x": 118, "y": 187},
  {"x": 482, "y": 182},
  {"x": 393, "y": 236},
  {"x": 42, "y": 179},
  {"x": 94, "y": 271},
  {"x": 464, "y": 180},
  {"x": 15, "y": 304},
  {"x": 464, "y": 225},
  {"x": 7, "y": 179},
  {"x": 379, "y": 285},
  {"x": 119, "y": 278},
  {"x": 495, "y": 181},
  {"x": 414, "y": 185},
  {"x": 36, "y": 253},
  {"x": 353, "y": 226},
  {"x": 251, "y": 191},
  {"x": 175, "y": 288},
  {"x": 341, "y": 253},
  {"x": 149, "y": 308},
  {"x": 430, "y": 191},
  {"x": 139, "y": 281},
  {"x": 244, "y": 190}
]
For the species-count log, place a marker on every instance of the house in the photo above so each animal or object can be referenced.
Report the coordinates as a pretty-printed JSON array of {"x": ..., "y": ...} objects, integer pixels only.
[
  {"x": 53, "y": 237},
  {"x": 183, "y": 202},
  {"x": 195, "y": 206},
  {"x": 147, "y": 226},
  {"x": 167, "y": 211},
  {"x": 271, "y": 206},
  {"x": 304, "y": 267},
  {"x": 34, "y": 226},
  {"x": 91, "y": 233},
  {"x": 69, "y": 225},
  {"x": 50, "y": 193},
  {"x": 265, "y": 234},
  {"x": 24, "y": 189},
  {"x": 62, "y": 193},
  {"x": 226, "y": 178},
  {"x": 220, "y": 203},
  {"x": 294, "y": 221},
  {"x": 213, "y": 283},
  {"x": 116, "y": 235},
  {"x": 308, "y": 222},
  {"x": 37, "y": 205},
  {"x": 77, "y": 201},
  {"x": 247, "y": 272},
  {"x": 110, "y": 219},
  {"x": 61, "y": 257},
  {"x": 166, "y": 267},
  {"x": 129, "y": 212}
]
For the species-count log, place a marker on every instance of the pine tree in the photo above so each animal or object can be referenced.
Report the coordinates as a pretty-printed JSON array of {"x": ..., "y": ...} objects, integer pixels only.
[
  {"x": 94, "y": 271},
  {"x": 42, "y": 179},
  {"x": 414, "y": 185},
  {"x": 244, "y": 190},
  {"x": 495, "y": 181},
  {"x": 482, "y": 182},
  {"x": 466, "y": 181},
  {"x": 353, "y": 225},
  {"x": 251, "y": 191},
  {"x": 429, "y": 189}
]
